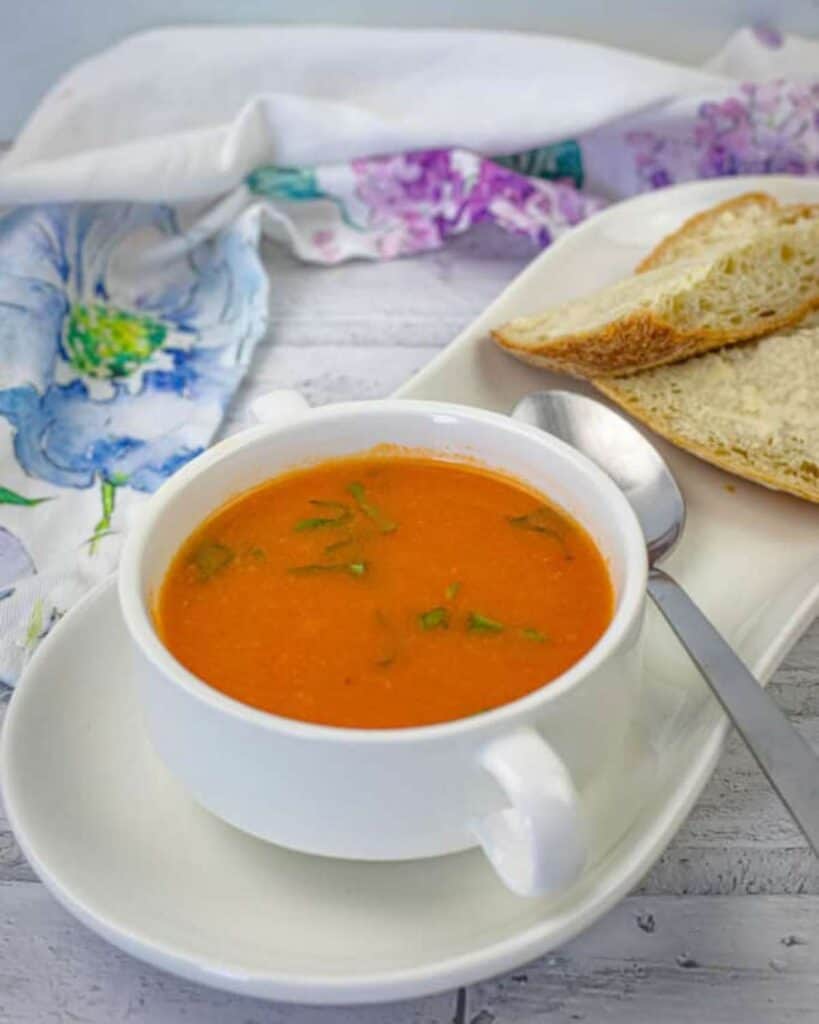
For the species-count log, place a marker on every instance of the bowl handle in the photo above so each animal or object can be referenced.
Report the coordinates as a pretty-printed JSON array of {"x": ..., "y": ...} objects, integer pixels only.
[
  {"x": 279, "y": 406},
  {"x": 538, "y": 845}
]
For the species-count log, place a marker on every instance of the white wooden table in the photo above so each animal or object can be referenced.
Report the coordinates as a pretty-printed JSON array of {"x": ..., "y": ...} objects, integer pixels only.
[{"x": 723, "y": 930}]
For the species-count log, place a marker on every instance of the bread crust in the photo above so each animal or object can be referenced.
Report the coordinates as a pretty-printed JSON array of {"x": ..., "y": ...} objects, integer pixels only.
[
  {"x": 657, "y": 256},
  {"x": 641, "y": 341},
  {"x": 787, "y": 215},
  {"x": 728, "y": 460}
]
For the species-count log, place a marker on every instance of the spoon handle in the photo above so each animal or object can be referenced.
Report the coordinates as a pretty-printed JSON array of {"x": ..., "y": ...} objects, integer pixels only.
[{"x": 786, "y": 758}]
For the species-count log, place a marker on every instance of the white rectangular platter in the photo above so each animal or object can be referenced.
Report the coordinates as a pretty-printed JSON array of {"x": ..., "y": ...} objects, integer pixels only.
[
  {"x": 248, "y": 916},
  {"x": 750, "y": 557}
]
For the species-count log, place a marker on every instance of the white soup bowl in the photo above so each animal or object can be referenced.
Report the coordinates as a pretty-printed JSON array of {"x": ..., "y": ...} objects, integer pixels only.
[{"x": 511, "y": 780}]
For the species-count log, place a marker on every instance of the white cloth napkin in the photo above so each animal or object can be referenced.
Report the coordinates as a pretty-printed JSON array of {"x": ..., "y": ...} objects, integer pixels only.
[{"x": 187, "y": 113}]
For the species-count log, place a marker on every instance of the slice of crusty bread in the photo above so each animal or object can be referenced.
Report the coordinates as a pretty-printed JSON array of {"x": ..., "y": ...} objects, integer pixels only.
[
  {"x": 731, "y": 221},
  {"x": 679, "y": 309},
  {"x": 751, "y": 409}
]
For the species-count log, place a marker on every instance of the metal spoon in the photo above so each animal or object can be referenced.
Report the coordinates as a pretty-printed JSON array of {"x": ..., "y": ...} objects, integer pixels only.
[{"x": 638, "y": 469}]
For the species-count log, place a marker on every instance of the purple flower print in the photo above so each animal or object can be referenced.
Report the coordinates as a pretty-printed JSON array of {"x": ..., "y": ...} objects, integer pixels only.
[
  {"x": 415, "y": 201},
  {"x": 769, "y": 128},
  {"x": 766, "y": 128}
]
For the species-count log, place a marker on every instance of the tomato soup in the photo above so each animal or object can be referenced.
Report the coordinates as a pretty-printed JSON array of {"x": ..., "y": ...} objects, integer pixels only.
[{"x": 385, "y": 590}]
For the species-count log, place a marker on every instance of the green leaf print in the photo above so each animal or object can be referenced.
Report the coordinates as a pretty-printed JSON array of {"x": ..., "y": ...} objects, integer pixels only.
[
  {"x": 35, "y": 624},
  {"x": 108, "y": 494},
  {"x": 284, "y": 183},
  {"x": 9, "y": 497},
  {"x": 560, "y": 160}
]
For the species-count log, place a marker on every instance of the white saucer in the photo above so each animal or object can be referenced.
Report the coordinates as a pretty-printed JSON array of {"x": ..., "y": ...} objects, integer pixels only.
[{"x": 122, "y": 847}]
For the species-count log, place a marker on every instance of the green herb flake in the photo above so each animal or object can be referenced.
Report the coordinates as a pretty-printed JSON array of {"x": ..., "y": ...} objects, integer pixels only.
[
  {"x": 314, "y": 523},
  {"x": 452, "y": 591},
  {"x": 381, "y": 520},
  {"x": 541, "y": 520},
  {"x": 256, "y": 554},
  {"x": 353, "y": 568},
  {"x": 313, "y": 567},
  {"x": 337, "y": 506},
  {"x": 533, "y": 634},
  {"x": 343, "y": 514},
  {"x": 435, "y": 618},
  {"x": 477, "y": 623},
  {"x": 545, "y": 521},
  {"x": 211, "y": 558},
  {"x": 337, "y": 545}
]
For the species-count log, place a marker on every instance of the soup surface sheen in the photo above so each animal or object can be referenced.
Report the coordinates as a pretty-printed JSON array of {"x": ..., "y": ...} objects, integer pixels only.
[{"x": 384, "y": 590}]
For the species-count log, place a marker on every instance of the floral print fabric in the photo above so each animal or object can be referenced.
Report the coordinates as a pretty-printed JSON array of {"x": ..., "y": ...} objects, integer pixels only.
[
  {"x": 763, "y": 128},
  {"x": 113, "y": 374},
  {"x": 382, "y": 207},
  {"x": 116, "y": 367},
  {"x": 401, "y": 204}
]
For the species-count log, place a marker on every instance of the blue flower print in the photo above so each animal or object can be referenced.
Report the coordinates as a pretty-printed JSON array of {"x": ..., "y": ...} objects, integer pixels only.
[{"x": 115, "y": 371}]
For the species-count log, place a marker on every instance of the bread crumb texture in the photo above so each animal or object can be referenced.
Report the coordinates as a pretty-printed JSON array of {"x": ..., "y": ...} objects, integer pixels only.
[
  {"x": 740, "y": 291},
  {"x": 751, "y": 409},
  {"x": 733, "y": 220}
]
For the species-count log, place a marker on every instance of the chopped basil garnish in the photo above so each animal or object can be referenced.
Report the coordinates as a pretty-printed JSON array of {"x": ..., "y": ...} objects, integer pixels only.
[
  {"x": 477, "y": 623},
  {"x": 211, "y": 557},
  {"x": 435, "y": 618},
  {"x": 534, "y": 634},
  {"x": 343, "y": 514},
  {"x": 381, "y": 520},
  {"x": 337, "y": 545},
  {"x": 541, "y": 520},
  {"x": 353, "y": 568},
  {"x": 545, "y": 521}
]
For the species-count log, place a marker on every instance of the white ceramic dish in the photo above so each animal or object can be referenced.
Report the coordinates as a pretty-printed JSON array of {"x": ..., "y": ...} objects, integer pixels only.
[
  {"x": 522, "y": 780},
  {"x": 119, "y": 843}
]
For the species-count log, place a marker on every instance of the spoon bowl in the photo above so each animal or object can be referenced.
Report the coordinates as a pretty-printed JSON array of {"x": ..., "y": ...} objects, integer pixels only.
[{"x": 620, "y": 450}]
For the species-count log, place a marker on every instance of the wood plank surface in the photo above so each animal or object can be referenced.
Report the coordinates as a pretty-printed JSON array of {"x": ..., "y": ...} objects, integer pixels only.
[{"x": 654, "y": 959}]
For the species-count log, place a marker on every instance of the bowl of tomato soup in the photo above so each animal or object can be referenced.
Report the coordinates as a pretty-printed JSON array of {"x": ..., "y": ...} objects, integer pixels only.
[{"x": 392, "y": 630}]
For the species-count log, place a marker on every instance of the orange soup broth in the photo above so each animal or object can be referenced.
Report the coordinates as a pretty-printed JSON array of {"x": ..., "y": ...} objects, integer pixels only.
[{"x": 448, "y": 603}]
